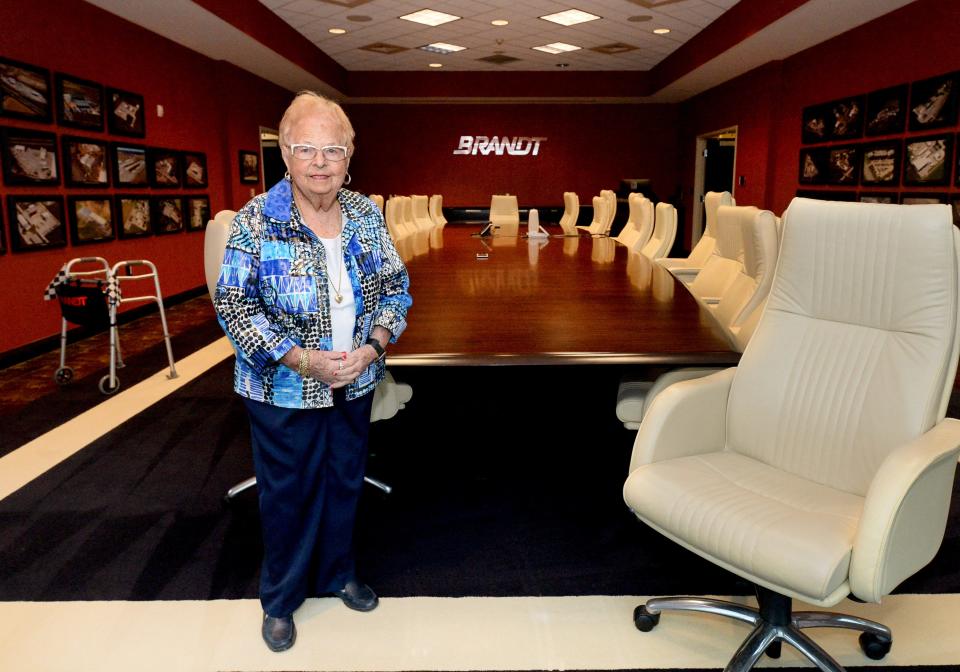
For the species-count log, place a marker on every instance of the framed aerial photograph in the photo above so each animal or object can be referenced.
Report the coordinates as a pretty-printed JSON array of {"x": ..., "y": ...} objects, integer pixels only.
[
  {"x": 843, "y": 164},
  {"x": 29, "y": 157},
  {"x": 163, "y": 166},
  {"x": 249, "y": 167},
  {"x": 933, "y": 102},
  {"x": 24, "y": 91},
  {"x": 36, "y": 222},
  {"x": 134, "y": 216},
  {"x": 125, "y": 113},
  {"x": 129, "y": 165},
  {"x": 167, "y": 214},
  {"x": 91, "y": 219},
  {"x": 846, "y": 117},
  {"x": 887, "y": 111},
  {"x": 881, "y": 163},
  {"x": 198, "y": 213},
  {"x": 928, "y": 160},
  {"x": 813, "y": 166},
  {"x": 916, "y": 198},
  {"x": 79, "y": 103},
  {"x": 194, "y": 169},
  {"x": 885, "y": 197},
  {"x": 85, "y": 162},
  {"x": 816, "y": 124}
]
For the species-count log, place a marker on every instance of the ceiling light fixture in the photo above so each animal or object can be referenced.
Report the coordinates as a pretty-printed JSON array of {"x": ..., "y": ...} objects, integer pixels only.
[
  {"x": 336, "y": 31},
  {"x": 500, "y": 22},
  {"x": 435, "y": 65},
  {"x": 442, "y": 48},
  {"x": 557, "y": 48},
  {"x": 661, "y": 31},
  {"x": 430, "y": 17},
  {"x": 570, "y": 17}
]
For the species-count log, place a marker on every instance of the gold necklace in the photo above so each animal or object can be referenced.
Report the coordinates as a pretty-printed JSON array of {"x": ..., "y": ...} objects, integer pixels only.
[{"x": 336, "y": 289}]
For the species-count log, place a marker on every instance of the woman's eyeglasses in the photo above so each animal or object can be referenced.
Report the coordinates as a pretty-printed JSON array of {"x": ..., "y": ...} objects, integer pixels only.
[{"x": 333, "y": 153}]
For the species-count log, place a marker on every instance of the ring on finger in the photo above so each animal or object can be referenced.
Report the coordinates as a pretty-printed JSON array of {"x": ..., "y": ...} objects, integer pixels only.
[{"x": 340, "y": 366}]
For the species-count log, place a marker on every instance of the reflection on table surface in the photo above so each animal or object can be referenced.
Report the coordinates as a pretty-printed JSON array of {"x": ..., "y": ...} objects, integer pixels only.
[{"x": 554, "y": 300}]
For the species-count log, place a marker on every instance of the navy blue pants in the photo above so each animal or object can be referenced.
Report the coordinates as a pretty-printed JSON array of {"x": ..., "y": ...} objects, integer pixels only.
[{"x": 309, "y": 466}]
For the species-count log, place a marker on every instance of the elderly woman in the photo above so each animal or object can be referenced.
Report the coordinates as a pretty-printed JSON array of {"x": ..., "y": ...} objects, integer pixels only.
[{"x": 311, "y": 291}]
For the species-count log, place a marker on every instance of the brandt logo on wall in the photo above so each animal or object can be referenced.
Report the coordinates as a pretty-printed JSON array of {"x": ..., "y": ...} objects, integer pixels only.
[{"x": 485, "y": 145}]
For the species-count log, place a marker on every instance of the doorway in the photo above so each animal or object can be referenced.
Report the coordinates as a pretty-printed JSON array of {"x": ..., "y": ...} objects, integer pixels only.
[
  {"x": 716, "y": 160},
  {"x": 270, "y": 159}
]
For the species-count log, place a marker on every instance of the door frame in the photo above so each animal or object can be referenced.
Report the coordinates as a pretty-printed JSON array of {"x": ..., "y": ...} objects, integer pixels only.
[{"x": 698, "y": 178}]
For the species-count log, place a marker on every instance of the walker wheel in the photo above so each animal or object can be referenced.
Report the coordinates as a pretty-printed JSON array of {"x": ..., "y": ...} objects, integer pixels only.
[
  {"x": 874, "y": 647},
  {"x": 63, "y": 375},
  {"x": 644, "y": 620},
  {"x": 105, "y": 385}
]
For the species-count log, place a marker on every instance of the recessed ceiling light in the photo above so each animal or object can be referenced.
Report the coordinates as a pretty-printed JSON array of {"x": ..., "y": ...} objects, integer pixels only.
[
  {"x": 661, "y": 31},
  {"x": 557, "y": 48},
  {"x": 442, "y": 48},
  {"x": 500, "y": 22},
  {"x": 436, "y": 65},
  {"x": 570, "y": 17},
  {"x": 429, "y": 17},
  {"x": 336, "y": 31},
  {"x": 637, "y": 18}
]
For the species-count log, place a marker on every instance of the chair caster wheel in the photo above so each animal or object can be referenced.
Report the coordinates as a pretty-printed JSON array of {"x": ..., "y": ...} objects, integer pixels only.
[
  {"x": 644, "y": 620},
  {"x": 873, "y": 646},
  {"x": 63, "y": 375}
]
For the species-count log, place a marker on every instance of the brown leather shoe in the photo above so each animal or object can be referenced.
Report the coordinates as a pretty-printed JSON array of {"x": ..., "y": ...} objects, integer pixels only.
[
  {"x": 358, "y": 596},
  {"x": 278, "y": 632}
]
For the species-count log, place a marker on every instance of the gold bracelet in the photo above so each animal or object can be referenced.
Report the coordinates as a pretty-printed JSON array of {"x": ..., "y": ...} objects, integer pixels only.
[{"x": 304, "y": 364}]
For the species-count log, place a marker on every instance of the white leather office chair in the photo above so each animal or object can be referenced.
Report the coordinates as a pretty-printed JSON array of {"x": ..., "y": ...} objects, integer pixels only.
[
  {"x": 571, "y": 210},
  {"x": 420, "y": 206},
  {"x": 726, "y": 262},
  {"x": 737, "y": 314},
  {"x": 610, "y": 212},
  {"x": 391, "y": 215},
  {"x": 406, "y": 215},
  {"x": 377, "y": 200},
  {"x": 639, "y": 227},
  {"x": 822, "y": 466},
  {"x": 664, "y": 232},
  {"x": 505, "y": 214},
  {"x": 686, "y": 268},
  {"x": 597, "y": 224},
  {"x": 388, "y": 397},
  {"x": 436, "y": 210}
]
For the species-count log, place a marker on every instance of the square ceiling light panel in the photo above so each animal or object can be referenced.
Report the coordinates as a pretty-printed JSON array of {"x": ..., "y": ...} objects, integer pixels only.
[
  {"x": 570, "y": 17},
  {"x": 557, "y": 48},
  {"x": 442, "y": 48},
  {"x": 430, "y": 17}
]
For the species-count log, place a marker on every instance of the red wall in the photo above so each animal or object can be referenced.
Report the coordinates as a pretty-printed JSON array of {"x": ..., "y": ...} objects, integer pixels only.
[
  {"x": 408, "y": 149},
  {"x": 209, "y": 106},
  {"x": 912, "y": 43}
]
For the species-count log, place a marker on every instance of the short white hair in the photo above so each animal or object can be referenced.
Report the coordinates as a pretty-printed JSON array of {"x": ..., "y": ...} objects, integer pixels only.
[{"x": 307, "y": 101}]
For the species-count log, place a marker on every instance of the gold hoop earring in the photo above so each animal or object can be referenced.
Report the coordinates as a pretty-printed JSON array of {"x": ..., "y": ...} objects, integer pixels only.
[
  {"x": 347, "y": 180},
  {"x": 286, "y": 176}
]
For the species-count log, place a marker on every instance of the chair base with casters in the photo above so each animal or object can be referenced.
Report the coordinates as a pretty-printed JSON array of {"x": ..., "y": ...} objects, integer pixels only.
[{"x": 773, "y": 623}]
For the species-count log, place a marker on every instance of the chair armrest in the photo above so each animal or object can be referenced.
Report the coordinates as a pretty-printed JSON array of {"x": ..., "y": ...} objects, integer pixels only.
[
  {"x": 905, "y": 512},
  {"x": 683, "y": 272},
  {"x": 687, "y": 418}
]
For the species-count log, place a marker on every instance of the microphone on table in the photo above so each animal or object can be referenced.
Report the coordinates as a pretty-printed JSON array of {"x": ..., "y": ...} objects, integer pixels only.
[{"x": 534, "y": 230}]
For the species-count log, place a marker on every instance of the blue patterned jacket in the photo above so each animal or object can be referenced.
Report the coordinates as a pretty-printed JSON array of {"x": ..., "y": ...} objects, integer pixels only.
[{"x": 272, "y": 294}]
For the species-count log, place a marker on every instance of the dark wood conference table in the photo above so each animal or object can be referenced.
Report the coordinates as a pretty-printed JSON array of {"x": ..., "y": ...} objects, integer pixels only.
[{"x": 553, "y": 301}]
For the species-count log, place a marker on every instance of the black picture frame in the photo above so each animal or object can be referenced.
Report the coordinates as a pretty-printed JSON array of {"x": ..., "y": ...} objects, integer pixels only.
[
  {"x": 196, "y": 213},
  {"x": 955, "y": 208},
  {"x": 126, "y": 113},
  {"x": 129, "y": 165},
  {"x": 134, "y": 216},
  {"x": 249, "y": 167},
  {"x": 886, "y": 197},
  {"x": 880, "y": 163},
  {"x": 79, "y": 102},
  {"x": 25, "y": 91},
  {"x": 167, "y": 215},
  {"x": 933, "y": 102},
  {"x": 194, "y": 170},
  {"x": 825, "y": 195},
  {"x": 886, "y": 111},
  {"x": 36, "y": 222},
  {"x": 85, "y": 162},
  {"x": 843, "y": 165},
  {"x": 165, "y": 168},
  {"x": 923, "y": 198},
  {"x": 813, "y": 165},
  {"x": 815, "y": 126},
  {"x": 928, "y": 160},
  {"x": 29, "y": 157},
  {"x": 91, "y": 219},
  {"x": 846, "y": 117}
]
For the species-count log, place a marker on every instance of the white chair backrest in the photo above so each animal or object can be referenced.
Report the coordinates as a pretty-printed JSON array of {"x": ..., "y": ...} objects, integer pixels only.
[
  {"x": 406, "y": 215},
  {"x": 599, "y": 216},
  {"x": 505, "y": 214},
  {"x": 645, "y": 221},
  {"x": 436, "y": 210},
  {"x": 859, "y": 339},
  {"x": 393, "y": 216},
  {"x": 214, "y": 247},
  {"x": 704, "y": 247},
  {"x": 726, "y": 262},
  {"x": 377, "y": 200},
  {"x": 664, "y": 232},
  {"x": 610, "y": 211},
  {"x": 421, "y": 212},
  {"x": 571, "y": 210}
]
